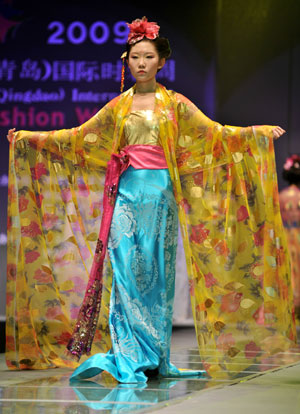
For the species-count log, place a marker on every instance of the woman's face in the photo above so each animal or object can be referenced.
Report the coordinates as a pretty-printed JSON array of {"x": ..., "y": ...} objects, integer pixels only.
[{"x": 144, "y": 61}]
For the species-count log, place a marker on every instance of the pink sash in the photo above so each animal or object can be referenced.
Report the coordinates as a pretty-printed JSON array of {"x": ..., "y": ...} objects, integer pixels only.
[
  {"x": 150, "y": 157},
  {"x": 139, "y": 157}
]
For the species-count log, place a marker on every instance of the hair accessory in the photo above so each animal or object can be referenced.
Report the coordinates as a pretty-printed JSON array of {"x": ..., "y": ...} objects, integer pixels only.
[
  {"x": 141, "y": 28},
  {"x": 123, "y": 57},
  {"x": 292, "y": 161}
]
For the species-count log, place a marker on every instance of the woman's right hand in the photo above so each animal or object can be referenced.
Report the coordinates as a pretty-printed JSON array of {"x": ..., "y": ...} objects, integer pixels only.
[{"x": 11, "y": 134}]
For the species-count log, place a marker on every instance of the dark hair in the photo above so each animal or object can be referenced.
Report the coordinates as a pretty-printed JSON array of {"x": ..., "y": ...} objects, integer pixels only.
[
  {"x": 291, "y": 169},
  {"x": 161, "y": 44},
  {"x": 292, "y": 176}
]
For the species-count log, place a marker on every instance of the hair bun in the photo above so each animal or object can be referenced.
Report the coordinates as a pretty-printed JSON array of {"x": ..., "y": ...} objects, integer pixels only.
[{"x": 163, "y": 47}]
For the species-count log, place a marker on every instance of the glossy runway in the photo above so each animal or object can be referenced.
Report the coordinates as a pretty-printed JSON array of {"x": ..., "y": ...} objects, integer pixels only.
[{"x": 272, "y": 386}]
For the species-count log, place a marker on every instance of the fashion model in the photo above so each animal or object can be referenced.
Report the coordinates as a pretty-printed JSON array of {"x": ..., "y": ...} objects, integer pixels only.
[{"x": 148, "y": 158}]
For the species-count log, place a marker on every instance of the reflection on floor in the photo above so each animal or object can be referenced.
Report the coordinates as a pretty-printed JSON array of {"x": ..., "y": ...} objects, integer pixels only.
[{"x": 49, "y": 391}]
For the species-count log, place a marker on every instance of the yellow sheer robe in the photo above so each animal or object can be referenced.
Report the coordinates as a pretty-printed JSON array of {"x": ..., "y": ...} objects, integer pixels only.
[{"x": 225, "y": 185}]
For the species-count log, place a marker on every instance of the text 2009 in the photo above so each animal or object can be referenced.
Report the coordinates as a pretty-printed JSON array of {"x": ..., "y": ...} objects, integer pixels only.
[{"x": 78, "y": 32}]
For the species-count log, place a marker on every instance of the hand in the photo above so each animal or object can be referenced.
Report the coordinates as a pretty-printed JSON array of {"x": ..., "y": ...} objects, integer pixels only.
[
  {"x": 11, "y": 134},
  {"x": 277, "y": 132}
]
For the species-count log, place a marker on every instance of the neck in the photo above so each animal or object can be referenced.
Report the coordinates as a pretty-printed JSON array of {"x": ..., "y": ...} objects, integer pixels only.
[{"x": 146, "y": 87}]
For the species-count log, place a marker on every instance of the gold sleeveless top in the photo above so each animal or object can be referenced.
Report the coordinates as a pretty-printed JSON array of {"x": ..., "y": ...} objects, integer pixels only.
[{"x": 142, "y": 128}]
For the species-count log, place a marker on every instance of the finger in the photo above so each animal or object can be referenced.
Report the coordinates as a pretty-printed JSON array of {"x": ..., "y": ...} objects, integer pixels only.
[
  {"x": 11, "y": 134},
  {"x": 277, "y": 132},
  {"x": 11, "y": 131},
  {"x": 281, "y": 129}
]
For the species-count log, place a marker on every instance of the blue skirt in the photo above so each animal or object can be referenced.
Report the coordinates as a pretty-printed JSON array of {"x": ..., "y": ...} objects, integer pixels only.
[{"x": 142, "y": 249}]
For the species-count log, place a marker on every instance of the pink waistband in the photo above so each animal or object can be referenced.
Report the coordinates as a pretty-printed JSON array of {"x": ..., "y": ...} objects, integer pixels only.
[{"x": 145, "y": 156}]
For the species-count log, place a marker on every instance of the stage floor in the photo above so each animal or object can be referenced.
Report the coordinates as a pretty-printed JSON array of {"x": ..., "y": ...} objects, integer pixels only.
[{"x": 272, "y": 386}]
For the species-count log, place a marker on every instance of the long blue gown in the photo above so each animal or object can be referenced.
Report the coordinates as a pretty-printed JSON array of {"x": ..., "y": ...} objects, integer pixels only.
[{"x": 142, "y": 249}]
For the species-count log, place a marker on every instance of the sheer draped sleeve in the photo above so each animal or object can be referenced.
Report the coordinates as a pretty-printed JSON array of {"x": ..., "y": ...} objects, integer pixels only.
[
  {"x": 90, "y": 141},
  {"x": 237, "y": 258},
  {"x": 54, "y": 209},
  {"x": 202, "y": 140}
]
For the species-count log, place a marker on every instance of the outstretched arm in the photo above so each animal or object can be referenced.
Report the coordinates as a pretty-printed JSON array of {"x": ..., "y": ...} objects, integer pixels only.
[
  {"x": 87, "y": 140},
  {"x": 188, "y": 111},
  {"x": 202, "y": 141}
]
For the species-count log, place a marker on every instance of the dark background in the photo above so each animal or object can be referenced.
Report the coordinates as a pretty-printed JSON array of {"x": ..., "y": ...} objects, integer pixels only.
[{"x": 237, "y": 60}]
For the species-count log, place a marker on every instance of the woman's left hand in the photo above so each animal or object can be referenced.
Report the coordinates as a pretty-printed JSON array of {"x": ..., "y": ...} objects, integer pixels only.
[{"x": 277, "y": 132}]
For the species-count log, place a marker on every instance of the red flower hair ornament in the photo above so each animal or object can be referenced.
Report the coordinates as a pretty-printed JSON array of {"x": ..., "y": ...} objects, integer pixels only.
[{"x": 141, "y": 28}]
